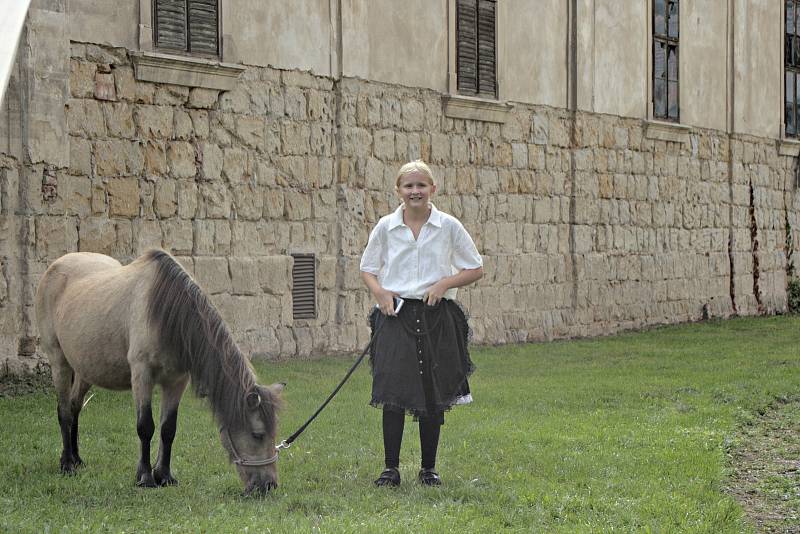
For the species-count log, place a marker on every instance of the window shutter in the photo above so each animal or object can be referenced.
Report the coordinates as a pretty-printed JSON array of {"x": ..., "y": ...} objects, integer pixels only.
[
  {"x": 467, "y": 46},
  {"x": 304, "y": 305},
  {"x": 487, "y": 85},
  {"x": 203, "y": 32},
  {"x": 170, "y": 27}
]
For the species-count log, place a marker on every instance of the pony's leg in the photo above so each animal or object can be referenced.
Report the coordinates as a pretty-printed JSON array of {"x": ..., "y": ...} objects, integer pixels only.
[
  {"x": 170, "y": 399},
  {"x": 62, "y": 381},
  {"x": 79, "y": 390},
  {"x": 142, "y": 386}
]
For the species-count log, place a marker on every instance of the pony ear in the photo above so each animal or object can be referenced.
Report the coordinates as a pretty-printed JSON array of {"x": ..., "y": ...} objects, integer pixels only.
[
  {"x": 253, "y": 400},
  {"x": 277, "y": 387}
]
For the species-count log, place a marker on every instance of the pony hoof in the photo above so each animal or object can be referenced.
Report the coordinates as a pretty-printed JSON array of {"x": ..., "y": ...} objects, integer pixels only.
[
  {"x": 165, "y": 479},
  {"x": 146, "y": 481}
]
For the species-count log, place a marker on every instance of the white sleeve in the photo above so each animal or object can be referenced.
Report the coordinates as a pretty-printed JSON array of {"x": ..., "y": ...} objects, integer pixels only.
[
  {"x": 465, "y": 253},
  {"x": 372, "y": 258}
]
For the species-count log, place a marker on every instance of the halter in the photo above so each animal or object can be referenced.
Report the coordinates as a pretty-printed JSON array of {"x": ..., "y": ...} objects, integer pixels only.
[{"x": 244, "y": 462}]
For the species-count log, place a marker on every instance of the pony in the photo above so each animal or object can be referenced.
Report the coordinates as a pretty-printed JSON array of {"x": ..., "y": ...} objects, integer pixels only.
[{"x": 149, "y": 324}]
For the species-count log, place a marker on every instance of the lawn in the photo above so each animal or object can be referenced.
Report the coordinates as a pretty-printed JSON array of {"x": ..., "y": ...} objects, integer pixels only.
[{"x": 628, "y": 433}]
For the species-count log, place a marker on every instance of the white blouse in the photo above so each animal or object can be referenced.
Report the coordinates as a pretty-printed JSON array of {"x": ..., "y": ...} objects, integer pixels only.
[{"x": 409, "y": 267}]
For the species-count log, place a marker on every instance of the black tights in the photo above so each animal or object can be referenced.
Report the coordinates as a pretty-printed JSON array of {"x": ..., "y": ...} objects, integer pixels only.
[{"x": 393, "y": 423}]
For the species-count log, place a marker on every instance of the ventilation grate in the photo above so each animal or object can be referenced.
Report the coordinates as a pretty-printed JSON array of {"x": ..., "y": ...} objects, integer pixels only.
[{"x": 304, "y": 287}]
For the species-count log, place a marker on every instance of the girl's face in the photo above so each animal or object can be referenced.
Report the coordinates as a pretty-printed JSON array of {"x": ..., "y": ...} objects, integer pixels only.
[{"x": 415, "y": 190}]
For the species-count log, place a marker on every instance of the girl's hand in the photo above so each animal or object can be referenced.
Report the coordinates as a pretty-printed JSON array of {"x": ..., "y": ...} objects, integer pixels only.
[
  {"x": 386, "y": 302},
  {"x": 434, "y": 293}
]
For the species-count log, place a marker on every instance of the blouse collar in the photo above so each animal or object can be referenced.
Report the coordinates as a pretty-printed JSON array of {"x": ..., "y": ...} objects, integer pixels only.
[{"x": 396, "y": 218}]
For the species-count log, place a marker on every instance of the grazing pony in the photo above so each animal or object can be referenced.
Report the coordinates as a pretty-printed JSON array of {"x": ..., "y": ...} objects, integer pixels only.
[{"x": 146, "y": 324}]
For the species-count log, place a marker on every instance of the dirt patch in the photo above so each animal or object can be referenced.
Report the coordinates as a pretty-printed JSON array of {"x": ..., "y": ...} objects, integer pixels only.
[
  {"x": 14, "y": 386},
  {"x": 766, "y": 469}
]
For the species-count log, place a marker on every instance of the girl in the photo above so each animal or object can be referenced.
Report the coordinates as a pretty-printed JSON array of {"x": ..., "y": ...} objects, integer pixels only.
[{"x": 419, "y": 358}]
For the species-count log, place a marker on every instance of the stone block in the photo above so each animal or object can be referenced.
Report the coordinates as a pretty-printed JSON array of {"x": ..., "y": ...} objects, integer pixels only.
[
  {"x": 216, "y": 200},
  {"x": 211, "y": 274},
  {"x": 324, "y": 205},
  {"x": 123, "y": 197},
  {"x": 298, "y": 205},
  {"x": 183, "y": 125},
  {"x": 210, "y": 158},
  {"x": 97, "y": 234},
  {"x": 234, "y": 165},
  {"x": 248, "y": 201},
  {"x": 326, "y": 272},
  {"x": 85, "y": 118},
  {"x": 273, "y": 204},
  {"x": 178, "y": 236},
  {"x": 200, "y": 123},
  {"x": 76, "y": 194},
  {"x": 155, "y": 158},
  {"x": 154, "y": 121},
  {"x": 54, "y": 237},
  {"x": 81, "y": 78},
  {"x": 383, "y": 145},
  {"x": 187, "y": 199},
  {"x": 181, "y": 159},
  {"x": 252, "y": 131},
  {"x": 104, "y": 87},
  {"x": 275, "y": 274},
  {"x": 295, "y": 105},
  {"x": 413, "y": 113},
  {"x": 295, "y": 138},
  {"x": 171, "y": 95},
  {"x": 80, "y": 156},
  {"x": 203, "y": 98},
  {"x": 124, "y": 83},
  {"x": 164, "y": 202},
  {"x": 244, "y": 276},
  {"x": 119, "y": 120},
  {"x": 147, "y": 235}
]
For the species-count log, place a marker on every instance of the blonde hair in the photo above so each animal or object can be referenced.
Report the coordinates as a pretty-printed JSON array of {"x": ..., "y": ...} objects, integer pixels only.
[{"x": 414, "y": 166}]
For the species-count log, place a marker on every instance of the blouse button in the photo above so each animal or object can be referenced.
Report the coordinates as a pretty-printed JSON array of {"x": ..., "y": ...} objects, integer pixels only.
[{"x": 420, "y": 372}]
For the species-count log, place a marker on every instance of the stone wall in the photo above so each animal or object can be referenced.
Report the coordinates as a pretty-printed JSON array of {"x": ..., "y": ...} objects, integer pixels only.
[{"x": 587, "y": 225}]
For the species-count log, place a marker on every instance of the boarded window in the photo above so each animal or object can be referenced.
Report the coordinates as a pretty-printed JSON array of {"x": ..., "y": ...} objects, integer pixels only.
[
  {"x": 476, "y": 48},
  {"x": 190, "y": 26},
  {"x": 304, "y": 287},
  {"x": 791, "y": 63}
]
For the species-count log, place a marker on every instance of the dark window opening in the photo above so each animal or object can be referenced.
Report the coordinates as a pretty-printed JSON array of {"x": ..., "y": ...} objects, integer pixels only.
[
  {"x": 190, "y": 26},
  {"x": 665, "y": 59},
  {"x": 791, "y": 68},
  {"x": 304, "y": 286},
  {"x": 476, "y": 48}
]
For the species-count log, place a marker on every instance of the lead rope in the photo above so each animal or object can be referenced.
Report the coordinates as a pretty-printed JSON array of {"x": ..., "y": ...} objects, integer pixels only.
[{"x": 285, "y": 444}]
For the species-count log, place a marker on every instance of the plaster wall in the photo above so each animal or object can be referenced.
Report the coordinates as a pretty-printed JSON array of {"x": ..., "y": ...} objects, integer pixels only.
[
  {"x": 533, "y": 65},
  {"x": 703, "y": 51},
  {"x": 612, "y": 68},
  {"x": 107, "y": 23},
  {"x": 758, "y": 70},
  {"x": 396, "y": 42}
]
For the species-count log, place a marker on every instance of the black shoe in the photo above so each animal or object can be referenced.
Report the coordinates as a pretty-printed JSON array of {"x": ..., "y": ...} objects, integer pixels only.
[
  {"x": 429, "y": 477},
  {"x": 389, "y": 477}
]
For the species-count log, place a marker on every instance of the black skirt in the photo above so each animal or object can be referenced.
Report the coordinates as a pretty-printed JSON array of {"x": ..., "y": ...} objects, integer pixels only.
[{"x": 420, "y": 358}]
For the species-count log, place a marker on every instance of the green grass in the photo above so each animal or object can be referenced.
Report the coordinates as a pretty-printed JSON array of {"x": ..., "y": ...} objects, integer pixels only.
[{"x": 625, "y": 433}]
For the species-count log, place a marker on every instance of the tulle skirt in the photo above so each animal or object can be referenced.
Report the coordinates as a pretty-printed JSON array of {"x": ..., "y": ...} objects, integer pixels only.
[{"x": 420, "y": 358}]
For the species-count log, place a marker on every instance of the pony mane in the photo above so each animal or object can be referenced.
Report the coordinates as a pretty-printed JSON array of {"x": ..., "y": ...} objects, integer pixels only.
[{"x": 190, "y": 326}]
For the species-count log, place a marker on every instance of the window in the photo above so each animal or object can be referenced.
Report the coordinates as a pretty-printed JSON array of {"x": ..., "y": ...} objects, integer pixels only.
[
  {"x": 190, "y": 26},
  {"x": 665, "y": 59},
  {"x": 476, "y": 48},
  {"x": 304, "y": 305},
  {"x": 791, "y": 63}
]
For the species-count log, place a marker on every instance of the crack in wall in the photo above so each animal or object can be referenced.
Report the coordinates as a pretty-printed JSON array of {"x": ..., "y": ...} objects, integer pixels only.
[{"x": 754, "y": 250}]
